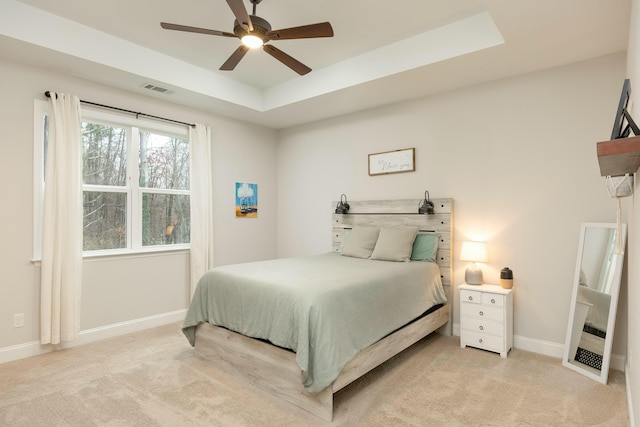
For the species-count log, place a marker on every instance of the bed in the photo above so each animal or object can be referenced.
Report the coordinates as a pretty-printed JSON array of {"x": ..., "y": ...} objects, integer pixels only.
[{"x": 303, "y": 328}]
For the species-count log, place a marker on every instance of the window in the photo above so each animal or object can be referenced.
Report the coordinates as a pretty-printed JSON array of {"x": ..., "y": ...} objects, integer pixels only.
[{"x": 135, "y": 183}]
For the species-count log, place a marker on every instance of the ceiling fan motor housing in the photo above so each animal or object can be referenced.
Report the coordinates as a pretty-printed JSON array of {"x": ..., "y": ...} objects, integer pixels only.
[{"x": 260, "y": 28}]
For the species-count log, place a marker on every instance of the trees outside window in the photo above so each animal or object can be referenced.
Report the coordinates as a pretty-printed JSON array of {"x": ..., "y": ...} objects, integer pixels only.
[{"x": 164, "y": 176}]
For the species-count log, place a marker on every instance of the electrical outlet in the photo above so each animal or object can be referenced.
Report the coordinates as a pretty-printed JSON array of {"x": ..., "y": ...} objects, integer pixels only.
[{"x": 18, "y": 320}]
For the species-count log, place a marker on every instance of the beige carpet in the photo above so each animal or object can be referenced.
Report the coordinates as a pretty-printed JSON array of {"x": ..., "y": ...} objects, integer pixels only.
[{"x": 153, "y": 378}]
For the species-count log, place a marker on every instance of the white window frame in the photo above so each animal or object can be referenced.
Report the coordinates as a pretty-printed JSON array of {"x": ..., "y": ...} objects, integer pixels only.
[{"x": 134, "y": 193}]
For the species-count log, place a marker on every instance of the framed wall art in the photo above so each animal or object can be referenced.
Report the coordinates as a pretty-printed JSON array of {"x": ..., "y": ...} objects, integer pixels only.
[
  {"x": 246, "y": 200},
  {"x": 395, "y": 161}
]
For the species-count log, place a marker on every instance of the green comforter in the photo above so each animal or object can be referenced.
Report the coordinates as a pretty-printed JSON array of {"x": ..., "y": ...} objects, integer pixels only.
[{"x": 326, "y": 308}]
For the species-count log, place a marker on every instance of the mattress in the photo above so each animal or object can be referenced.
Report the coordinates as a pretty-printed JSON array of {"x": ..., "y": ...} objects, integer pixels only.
[{"x": 326, "y": 308}]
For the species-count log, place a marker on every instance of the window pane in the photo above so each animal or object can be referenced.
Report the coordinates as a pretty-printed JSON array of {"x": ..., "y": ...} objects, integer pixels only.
[
  {"x": 165, "y": 219},
  {"x": 105, "y": 220},
  {"x": 104, "y": 154},
  {"x": 164, "y": 162},
  {"x": 45, "y": 146}
]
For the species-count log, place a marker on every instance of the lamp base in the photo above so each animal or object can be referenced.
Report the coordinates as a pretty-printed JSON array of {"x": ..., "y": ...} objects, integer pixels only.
[{"x": 473, "y": 275}]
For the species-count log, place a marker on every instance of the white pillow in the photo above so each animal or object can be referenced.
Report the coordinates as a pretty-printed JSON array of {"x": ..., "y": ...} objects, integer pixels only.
[
  {"x": 345, "y": 237},
  {"x": 360, "y": 242},
  {"x": 395, "y": 244}
]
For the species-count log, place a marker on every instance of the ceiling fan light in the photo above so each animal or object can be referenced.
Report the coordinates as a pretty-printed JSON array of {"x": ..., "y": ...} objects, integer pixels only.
[{"x": 252, "y": 41}]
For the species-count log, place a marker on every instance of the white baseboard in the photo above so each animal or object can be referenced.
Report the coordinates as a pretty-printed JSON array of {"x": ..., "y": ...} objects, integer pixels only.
[
  {"x": 549, "y": 348},
  {"x": 34, "y": 348},
  {"x": 627, "y": 380}
]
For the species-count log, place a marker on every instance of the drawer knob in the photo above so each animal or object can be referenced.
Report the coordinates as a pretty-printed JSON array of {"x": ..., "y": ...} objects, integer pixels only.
[
  {"x": 493, "y": 301},
  {"x": 482, "y": 313},
  {"x": 480, "y": 340},
  {"x": 470, "y": 298},
  {"x": 481, "y": 328}
]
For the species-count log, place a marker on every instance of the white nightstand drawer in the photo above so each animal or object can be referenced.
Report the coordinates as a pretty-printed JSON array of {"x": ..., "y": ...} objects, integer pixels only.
[
  {"x": 493, "y": 299},
  {"x": 482, "y": 326},
  {"x": 482, "y": 312},
  {"x": 474, "y": 297},
  {"x": 486, "y": 317},
  {"x": 487, "y": 342}
]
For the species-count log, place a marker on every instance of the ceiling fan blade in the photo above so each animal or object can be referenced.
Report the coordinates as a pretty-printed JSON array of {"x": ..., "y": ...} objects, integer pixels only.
[
  {"x": 287, "y": 60},
  {"x": 240, "y": 12},
  {"x": 322, "y": 29},
  {"x": 177, "y": 27},
  {"x": 235, "y": 57}
]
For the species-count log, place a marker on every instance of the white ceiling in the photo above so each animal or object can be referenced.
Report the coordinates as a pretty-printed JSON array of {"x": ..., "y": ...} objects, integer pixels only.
[{"x": 382, "y": 51}]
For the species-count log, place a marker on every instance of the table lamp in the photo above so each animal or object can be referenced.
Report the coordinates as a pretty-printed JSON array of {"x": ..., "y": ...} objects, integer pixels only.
[{"x": 474, "y": 252}]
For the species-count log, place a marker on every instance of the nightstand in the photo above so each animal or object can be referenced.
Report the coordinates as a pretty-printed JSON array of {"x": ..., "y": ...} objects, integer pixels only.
[{"x": 486, "y": 318}]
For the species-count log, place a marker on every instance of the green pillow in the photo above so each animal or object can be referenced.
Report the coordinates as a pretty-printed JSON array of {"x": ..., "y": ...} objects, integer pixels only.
[{"x": 425, "y": 247}]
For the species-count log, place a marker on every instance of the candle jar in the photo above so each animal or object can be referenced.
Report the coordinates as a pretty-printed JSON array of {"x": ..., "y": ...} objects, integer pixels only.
[{"x": 506, "y": 278}]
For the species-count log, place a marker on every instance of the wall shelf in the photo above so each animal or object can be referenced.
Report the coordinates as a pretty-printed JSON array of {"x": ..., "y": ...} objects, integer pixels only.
[{"x": 619, "y": 156}]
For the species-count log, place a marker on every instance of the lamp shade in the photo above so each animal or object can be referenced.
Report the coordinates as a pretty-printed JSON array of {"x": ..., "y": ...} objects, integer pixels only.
[{"x": 474, "y": 252}]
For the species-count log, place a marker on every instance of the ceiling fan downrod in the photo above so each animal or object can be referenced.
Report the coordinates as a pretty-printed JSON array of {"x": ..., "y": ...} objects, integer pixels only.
[{"x": 255, "y": 3}]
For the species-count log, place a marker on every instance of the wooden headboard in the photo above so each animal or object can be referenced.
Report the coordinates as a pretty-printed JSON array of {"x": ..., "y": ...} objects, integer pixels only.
[{"x": 402, "y": 213}]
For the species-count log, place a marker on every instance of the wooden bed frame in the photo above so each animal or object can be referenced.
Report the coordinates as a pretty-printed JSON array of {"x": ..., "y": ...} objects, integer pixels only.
[{"x": 275, "y": 370}]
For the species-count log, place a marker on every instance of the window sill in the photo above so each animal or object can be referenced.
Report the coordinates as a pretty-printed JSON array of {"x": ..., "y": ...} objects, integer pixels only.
[{"x": 143, "y": 253}]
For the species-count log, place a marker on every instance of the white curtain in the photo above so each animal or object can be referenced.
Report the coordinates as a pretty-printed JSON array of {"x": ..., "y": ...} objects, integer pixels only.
[
  {"x": 61, "y": 267},
  {"x": 201, "y": 203}
]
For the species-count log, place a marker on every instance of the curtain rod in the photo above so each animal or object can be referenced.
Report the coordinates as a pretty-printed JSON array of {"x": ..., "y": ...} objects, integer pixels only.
[{"x": 48, "y": 95}]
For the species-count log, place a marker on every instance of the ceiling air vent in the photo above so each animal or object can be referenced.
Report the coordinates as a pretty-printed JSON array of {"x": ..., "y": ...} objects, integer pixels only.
[{"x": 155, "y": 88}]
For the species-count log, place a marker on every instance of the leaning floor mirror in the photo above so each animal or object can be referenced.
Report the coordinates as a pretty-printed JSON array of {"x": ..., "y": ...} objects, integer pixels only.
[{"x": 594, "y": 300}]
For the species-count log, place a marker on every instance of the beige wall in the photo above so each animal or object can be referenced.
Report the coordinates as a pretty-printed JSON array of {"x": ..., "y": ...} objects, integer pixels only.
[
  {"x": 517, "y": 156},
  {"x": 125, "y": 289},
  {"x": 633, "y": 301}
]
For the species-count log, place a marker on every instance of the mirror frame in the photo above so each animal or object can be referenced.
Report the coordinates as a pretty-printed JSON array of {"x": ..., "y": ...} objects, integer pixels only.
[{"x": 613, "y": 306}]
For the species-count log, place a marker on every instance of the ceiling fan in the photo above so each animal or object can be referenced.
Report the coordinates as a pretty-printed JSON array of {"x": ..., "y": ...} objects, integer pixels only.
[{"x": 255, "y": 31}]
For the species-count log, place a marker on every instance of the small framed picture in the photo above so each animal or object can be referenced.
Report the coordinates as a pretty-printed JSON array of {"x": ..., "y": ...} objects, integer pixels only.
[
  {"x": 246, "y": 200},
  {"x": 392, "y": 162}
]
